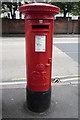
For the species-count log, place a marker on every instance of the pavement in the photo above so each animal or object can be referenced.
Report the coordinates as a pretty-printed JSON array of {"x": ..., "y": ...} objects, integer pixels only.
[
  {"x": 64, "y": 103},
  {"x": 65, "y": 79}
]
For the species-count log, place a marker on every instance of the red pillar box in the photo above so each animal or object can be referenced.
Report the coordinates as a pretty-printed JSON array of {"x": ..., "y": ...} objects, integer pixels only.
[{"x": 39, "y": 24}]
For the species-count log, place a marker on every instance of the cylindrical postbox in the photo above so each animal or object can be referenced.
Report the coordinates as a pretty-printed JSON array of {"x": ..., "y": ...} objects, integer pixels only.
[{"x": 39, "y": 24}]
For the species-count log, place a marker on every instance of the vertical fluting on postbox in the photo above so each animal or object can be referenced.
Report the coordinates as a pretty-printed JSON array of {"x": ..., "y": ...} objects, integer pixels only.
[{"x": 39, "y": 19}]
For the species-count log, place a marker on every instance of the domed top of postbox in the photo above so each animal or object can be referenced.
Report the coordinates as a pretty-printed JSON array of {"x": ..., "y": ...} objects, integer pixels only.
[
  {"x": 38, "y": 9},
  {"x": 33, "y": 7}
]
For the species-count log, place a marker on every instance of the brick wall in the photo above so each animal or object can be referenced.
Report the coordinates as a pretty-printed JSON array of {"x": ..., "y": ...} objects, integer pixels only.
[{"x": 61, "y": 26}]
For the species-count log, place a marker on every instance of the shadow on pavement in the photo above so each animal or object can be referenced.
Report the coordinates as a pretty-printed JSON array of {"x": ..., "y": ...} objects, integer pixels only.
[{"x": 71, "y": 49}]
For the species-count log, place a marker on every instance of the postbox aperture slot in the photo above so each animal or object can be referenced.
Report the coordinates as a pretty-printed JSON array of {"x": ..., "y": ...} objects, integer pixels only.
[{"x": 40, "y": 26}]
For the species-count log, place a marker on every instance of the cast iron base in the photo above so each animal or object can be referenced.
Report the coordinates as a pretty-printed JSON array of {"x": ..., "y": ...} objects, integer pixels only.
[{"x": 38, "y": 101}]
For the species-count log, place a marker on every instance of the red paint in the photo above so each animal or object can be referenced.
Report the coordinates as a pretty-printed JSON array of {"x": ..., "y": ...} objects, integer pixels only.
[{"x": 39, "y": 63}]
